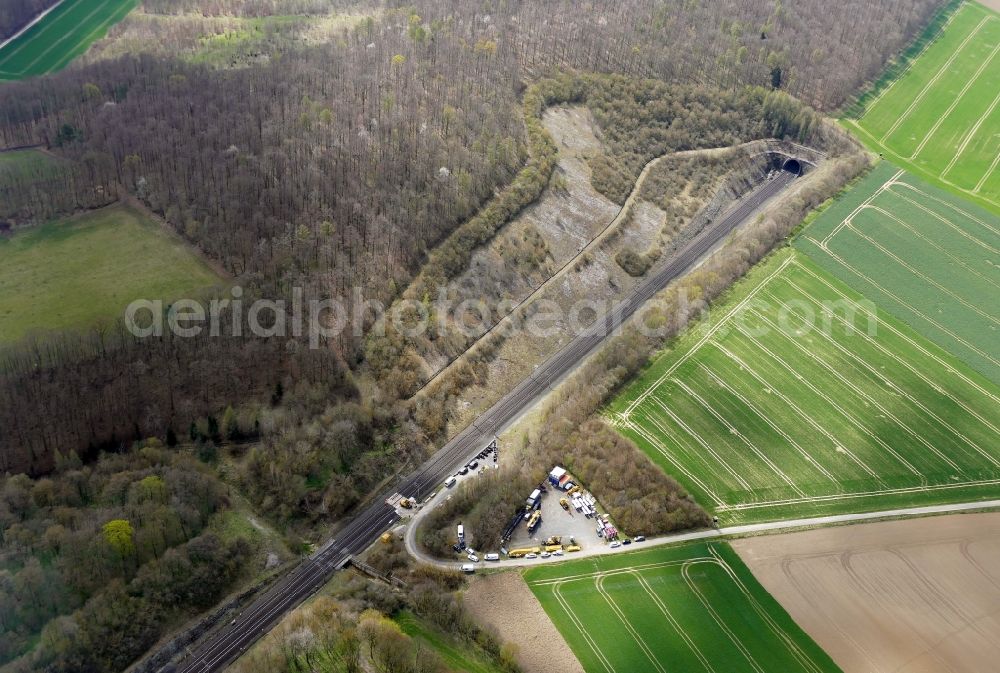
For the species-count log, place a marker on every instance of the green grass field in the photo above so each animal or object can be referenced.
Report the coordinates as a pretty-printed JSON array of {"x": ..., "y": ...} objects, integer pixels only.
[
  {"x": 457, "y": 656},
  {"x": 940, "y": 116},
  {"x": 74, "y": 272},
  {"x": 62, "y": 35},
  {"x": 26, "y": 162},
  {"x": 784, "y": 404},
  {"x": 690, "y": 608},
  {"x": 930, "y": 258}
]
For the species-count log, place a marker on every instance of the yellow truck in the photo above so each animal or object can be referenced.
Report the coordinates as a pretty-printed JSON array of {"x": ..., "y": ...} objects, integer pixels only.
[
  {"x": 521, "y": 553},
  {"x": 573, "y": 547},
  {"x": 552, "y": 547}
]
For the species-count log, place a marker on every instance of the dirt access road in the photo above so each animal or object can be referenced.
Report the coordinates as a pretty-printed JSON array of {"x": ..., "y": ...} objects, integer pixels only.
[{"x": 911, "y": 596}]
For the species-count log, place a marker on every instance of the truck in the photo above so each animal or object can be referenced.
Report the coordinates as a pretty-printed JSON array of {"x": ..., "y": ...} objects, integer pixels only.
[
  {"x": 535, "y": 519},
  {"x": 533, "y": 498},
  {"x": 461, "y": 534},
  {"x": 573, "y": 547},
  {"x": 450, "y": 481},
  {"x": 564, "y": 503},
  {"x": 552, "y": 547},
  {"x": 468, "y": 568},
  {"x": 521, "y": 553}
]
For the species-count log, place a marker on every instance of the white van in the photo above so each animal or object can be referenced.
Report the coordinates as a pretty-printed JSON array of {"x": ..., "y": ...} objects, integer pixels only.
[
  {"x": 492, "y": 557},
  {"x": 450, "y": 481},
  {"x": 468, "y": 568}
]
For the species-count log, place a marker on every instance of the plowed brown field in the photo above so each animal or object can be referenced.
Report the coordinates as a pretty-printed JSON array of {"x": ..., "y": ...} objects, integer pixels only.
[{"x": 914, "y": 596}]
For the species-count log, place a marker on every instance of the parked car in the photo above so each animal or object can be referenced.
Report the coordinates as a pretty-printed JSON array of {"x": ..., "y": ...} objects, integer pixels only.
[
  {"x": 639, "y": 538},
  {"x": 450, "y": 481},
  {"x": 464, "y": 471},
  {"x": 626, "y": 541},
  {"x": 531, "y": 555},
  {"x": 616, "y": 544},
  {"x": 545, "y": 554},
  {"x": 473, "y": 465},
  {"x": 558, "y": 552},
  {"x": 473, "y": 558},
  {"x": 492, "y": 557},
  {"x": 468, "y": 568}
]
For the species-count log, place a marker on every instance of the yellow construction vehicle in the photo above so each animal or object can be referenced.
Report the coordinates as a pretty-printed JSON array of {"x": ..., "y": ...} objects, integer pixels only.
[
  {"x": 406, "y": 503},
  {"x": 519, "y": 553},
  {"x": 552, "y": 547},
  {"x": 573, "y": 547},
  {"x": 564, "y": 503},
  {"x": 386, "y": 538},
  {"x": 573, "y": 491}
]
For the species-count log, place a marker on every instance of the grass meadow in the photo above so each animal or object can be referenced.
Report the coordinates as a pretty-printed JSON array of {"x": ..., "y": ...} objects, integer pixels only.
[
  {"x": 689, "y": 608},
  {"x": 796, "y": 398},
  {"x": 926, "y": 256},
  {"x": 939, "y": 117},
  {"x": 77, "y": 271},
  {"x": 456, "y": 654},
  {"x": 62, "y": 35}
]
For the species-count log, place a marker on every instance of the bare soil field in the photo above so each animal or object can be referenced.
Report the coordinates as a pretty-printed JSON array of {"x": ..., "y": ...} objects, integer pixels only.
[
  {"x": 505, "y": 601},
  {"x": 992, "y": 4},
  {"x": 911, "y": 596}
]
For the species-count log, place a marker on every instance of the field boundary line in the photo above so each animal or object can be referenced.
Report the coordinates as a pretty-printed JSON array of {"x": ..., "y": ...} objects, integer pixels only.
[
  {"x": 759, "y": 414},
  {"x": 945, "y": 364},
  {"x": 794, "y": 407},
  {"x": 701, "y": 441},
  {"x": 954, "y": 103},
  {"x": 707, "y": 605},
  {"x": 639, "y": 640},
  {"x": 901, "y": 490},
  {"x": 930, "y": 83},
  {"x": 862, "y": 362},
  {"x": 860, "y": 425},
  {"x": 673, "y": 620},
  {"x": 654, "y": 565},
  {"x": 861, "y": 206},
  {"x": 733, "y": 430},
  {"x": 670, "y": 370},
  {"x": 861, "y": 393}
]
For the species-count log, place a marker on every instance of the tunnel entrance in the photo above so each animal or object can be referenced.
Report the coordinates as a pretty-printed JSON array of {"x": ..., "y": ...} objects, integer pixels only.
[{"x": 792, "y": 166}]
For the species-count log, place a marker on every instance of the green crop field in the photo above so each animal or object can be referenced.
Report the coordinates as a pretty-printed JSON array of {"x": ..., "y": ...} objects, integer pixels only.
[
  {"x": 928, "y": 257},
  {"x": 690, "y": 608},
  {"x": 797, "y": 398},
  {"x": 26, "y": 162},
  {"x": 940, "y": 116},
  {"x": 73, "y": 272},
  {"x": 61, "y": 35}
]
